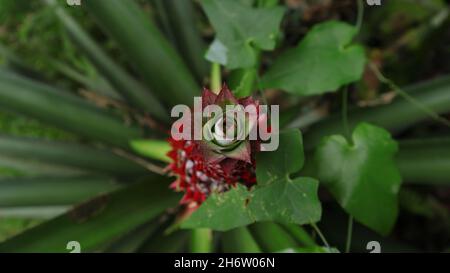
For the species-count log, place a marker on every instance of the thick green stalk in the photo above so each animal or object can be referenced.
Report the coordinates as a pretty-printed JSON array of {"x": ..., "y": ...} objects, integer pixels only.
[
  {"x": 300, "y": 235},
  {"x": 44, "y": 191},
  {"x": 242, "y": 81},
  {"x": 68, "y": 154},
  {"x": 153, "y": 56},
  {"x": 201, "y": 240},
  {"x": 271, "y": 237},
  {"x": 128, "y": 87},
  {"x": 239, "y": 240},
  {"x": 396, "y": 116},
  {"x": 61, "y": 109},
  {"x": 216, "y": 78}
]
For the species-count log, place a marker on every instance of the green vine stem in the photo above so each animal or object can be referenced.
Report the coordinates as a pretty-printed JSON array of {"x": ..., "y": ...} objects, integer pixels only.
[
  {"x": 360, "y": 17},
  {"x": 320, "y": 234},
  {"x": 410, "y": 99},
  {"x": 348, "y": 243},
  {"x": 345, "y": 114}
]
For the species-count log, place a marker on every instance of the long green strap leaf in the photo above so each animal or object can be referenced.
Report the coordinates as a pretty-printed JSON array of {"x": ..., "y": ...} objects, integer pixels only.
[
  {"x": 98, "y": 221},
  {"x": 425, "y": 161},
  {"x": 174, "y": 242},
  {"x": 396, "y": 116},
  {"x": 61, "y": 109},
  {"x": 154, "y": 149},
  {"x": 300, "y": 235},
  {"x": 98, "y": 84},
  {"x": 153, "y": 56},
  {"x": 24, "y": 167},
  {"x": 130, "y": 88},
  {"x": 45, "y": 191},
  {"x": 33, "y": 212},
  {"x": 133, "y": 240},
  {"x": 420, "y": 161},
  {"x": 179, "y": 20},
  {"x": 271, "y": 237},
  {"x": 16, "y": 64},
  {"x": 68, "y": 154},
  {"x": 239, "y": 240}
]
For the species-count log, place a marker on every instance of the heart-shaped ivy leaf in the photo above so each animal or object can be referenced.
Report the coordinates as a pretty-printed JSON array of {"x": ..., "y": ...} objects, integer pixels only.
[
  {"x": 286, "y": 159},
  {"x": 362, "y": 175},
  {"x": 276, "y": 197},
  {"x": 323, "y": 61},
  {"x": 237, "y": 34}
]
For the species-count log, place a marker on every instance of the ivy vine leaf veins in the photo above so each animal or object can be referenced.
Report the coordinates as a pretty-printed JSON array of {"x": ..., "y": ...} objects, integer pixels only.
[
  {"x": 276, "y": 197},
  {"x": 362, "y": 175},
  {"x": 324, "y": 60},
  {"x": 238, "y": 38}
]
